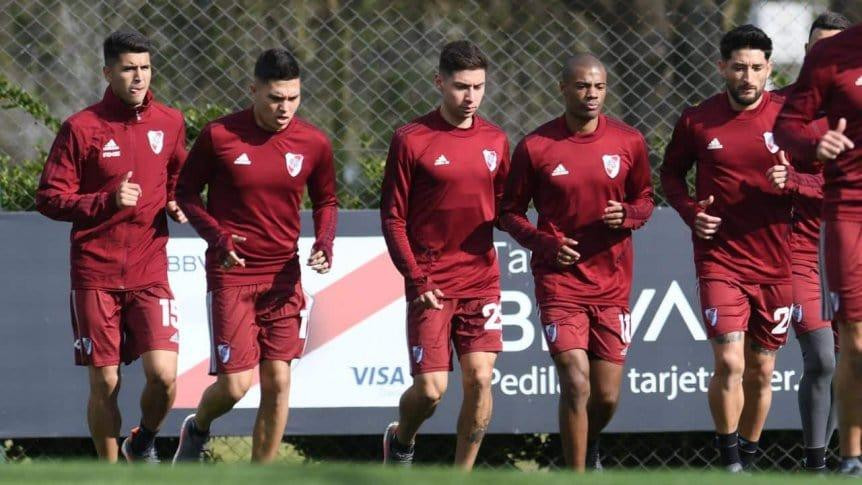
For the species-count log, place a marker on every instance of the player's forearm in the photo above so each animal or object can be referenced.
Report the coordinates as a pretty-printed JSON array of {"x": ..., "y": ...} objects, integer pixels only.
[
  {"x": 204, "y": 224},
  {"x": 94, "y": 207},
  {"x": 638, "y": 212},
  {"x": 528, "y": 235},
  {"x": 676, "y": 193},
  {"x": 799, "y": 138},
  {"x": 325, "y": 221},
  {"x": 806, "y": 185},
  {"x": 395, "y": 235}
]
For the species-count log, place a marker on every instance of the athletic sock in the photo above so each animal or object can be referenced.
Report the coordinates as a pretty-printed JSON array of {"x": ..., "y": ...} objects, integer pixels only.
[
  {"x": 143, "y": 439},
  {"x": 815, "y": 458},
  {"x": 728, "y": 448},
  {"x": 747, "y": 451}
]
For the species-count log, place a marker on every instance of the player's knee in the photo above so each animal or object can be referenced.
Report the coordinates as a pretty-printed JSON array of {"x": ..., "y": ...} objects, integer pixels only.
[
  {"x": 104, "y": 384},
  {"x": 729, "y": 367},
  {"x": 431, "y": 393},
  {"x": 477, "y": 378},
  {"x": 236, "y": 388},
  {"x": 162, "y": 378},
  {"x": 575, "y": 387},
  {"x": 604, "y": 400},
  {"x": 820, "y": 363},
  {"x": 759, "y": 374},
  {"x": 278, "y": 383}
]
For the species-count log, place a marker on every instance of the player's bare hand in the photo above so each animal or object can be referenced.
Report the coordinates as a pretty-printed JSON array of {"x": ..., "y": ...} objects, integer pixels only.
[
  {"x": 175, "y": 212},
  {"x": 567, "y": 256},
  {"x": 318, "y": 262},
  {"x": 614, "y": 214},
  {"x": 430, "y": 299},
  {"x": 232, "y": 259},
  {"x": 127, "y": 193},
  {"x": 834, "y": 142},
  {"x": 705, "y": 225},
  {"x": 779, "y": 174}
]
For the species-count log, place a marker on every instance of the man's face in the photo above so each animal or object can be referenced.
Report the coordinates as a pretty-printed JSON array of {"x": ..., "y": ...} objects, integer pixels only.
[
  {"x": 745, "y": 75},
  {"x": 584, "y": 92},
  {"x": 129, "y": 77},
  {"x": 462, "y": 91},
  {"x": 275, "y": 102},
  {"x": 819, "y": 34}
]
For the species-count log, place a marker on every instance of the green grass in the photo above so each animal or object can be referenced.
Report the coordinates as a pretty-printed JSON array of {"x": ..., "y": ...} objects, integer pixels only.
[{"x": 94, "y": 473}]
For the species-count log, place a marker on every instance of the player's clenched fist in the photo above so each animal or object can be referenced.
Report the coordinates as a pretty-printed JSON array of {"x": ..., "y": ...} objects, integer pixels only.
[
  {"x": 705, "y": 225},
  {"x": 128, "y": 193},
  {"x": 614, "y": 214},
  {"x": 834, "y": 142},
  {"x": 430, "y": 299},
  {"x": 567, "y": 255},
  {"x": 779, "y": 174}
]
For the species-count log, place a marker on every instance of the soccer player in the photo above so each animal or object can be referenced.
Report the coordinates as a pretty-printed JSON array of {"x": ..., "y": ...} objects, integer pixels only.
[
  {"x": 831, "y": 82},
  {"x": 740, "y": 231},
  {"x": 256, "y": 164},
  {"x": 815, "y": 334},
  {"x": 111, "y": 172},
  {"x": 588, "y": 176},
  {"x": 441, "y": 189}
]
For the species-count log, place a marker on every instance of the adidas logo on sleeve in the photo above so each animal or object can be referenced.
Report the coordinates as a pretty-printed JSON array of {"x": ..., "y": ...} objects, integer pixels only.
[
  {"x": 242, "y": 160},
  {"x": 714, "y": 145},
  {"x": 441, "y": 160}
]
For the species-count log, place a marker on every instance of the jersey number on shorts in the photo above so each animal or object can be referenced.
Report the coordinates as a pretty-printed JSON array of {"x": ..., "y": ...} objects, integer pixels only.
[
  {"x": 626, "y": 328},
  {"x": 169, "y": 312},
  {"x": 782, "y": 317},
  {"x": 492, "y": 312}
]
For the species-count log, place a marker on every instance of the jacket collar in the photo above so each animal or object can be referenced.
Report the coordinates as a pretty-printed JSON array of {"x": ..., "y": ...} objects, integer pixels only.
[{"x": 118, "y": 109}]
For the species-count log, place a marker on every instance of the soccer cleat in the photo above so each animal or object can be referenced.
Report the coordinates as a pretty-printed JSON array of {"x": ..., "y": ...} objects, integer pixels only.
[
  {"x": 734, "y": 468},
  {"x": 850, "y": 467},
  {"x": 192, "y": 445},
  {"x": 147, "y": 456},
  {"x": 594, "y": 458},
  {"x": 393, "y": 452}
]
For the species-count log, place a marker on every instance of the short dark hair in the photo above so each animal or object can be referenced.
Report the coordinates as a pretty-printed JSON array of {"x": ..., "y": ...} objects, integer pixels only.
[
  {"x": 276, "y": 65},
  {"x": 124, "y": 41},
  {"x": 461, "y": 55},
  {"x": 745, "y": 37},
  {"x": 830, "y": 21}
]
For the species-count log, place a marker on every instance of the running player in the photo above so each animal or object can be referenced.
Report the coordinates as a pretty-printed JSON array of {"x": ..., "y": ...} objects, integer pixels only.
[
  {"x": 111, "y": 172},
  {"x": 740, "y": 231},
  {"x": 589, "y": 177},
  {"x": 256, "y": 164},
  {"x": 831, "y": 82},
  {"x": 815, "y": 334},
  {"x": 441, "y": 189}
]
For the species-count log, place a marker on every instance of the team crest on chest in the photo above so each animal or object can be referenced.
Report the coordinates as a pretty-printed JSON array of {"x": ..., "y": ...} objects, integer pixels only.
[
  {"x": 612, "y": 165},
  {"x": 490, "y": 159},
  {"x": 769, "y": 139},
  {"x": 294, "y": 163},
  {"x": 157, "y": 140}
]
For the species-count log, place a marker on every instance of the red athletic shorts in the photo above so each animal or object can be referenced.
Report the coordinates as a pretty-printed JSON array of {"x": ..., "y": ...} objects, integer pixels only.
[
  {"x": 806, "y": 299},
  {"x": 844, "y": 268},
  {"x": 604, "y": 331},
  {"x": 113, "y": 326},
  {"x": 764, "y": 311},
  {"x": 471, "y": 324},
  {"x": 252, "y": 323}
]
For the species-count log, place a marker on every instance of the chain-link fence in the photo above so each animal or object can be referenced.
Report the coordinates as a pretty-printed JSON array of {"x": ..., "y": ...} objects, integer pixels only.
[
  {"x": 367, "y": 65},
  {"x": 367, "y": 68}
]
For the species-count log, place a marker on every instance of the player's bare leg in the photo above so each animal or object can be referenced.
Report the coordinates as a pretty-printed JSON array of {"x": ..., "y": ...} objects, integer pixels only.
[
  {"x": 103, "y": 414},
  {"x": 160, "y": 369},
  {"x": 726, "y": 396},
  {"x": 573, "y": 368},
  {"x": 605, "y": 380},
  {"x": 476, "y": 370},
  {"x": 757, "y": 388},
  {"x": 272, "y": 413},
  {"x": 221, "y": 396},
  {"x": 418, "y": 404},
  {"x": 848, "y": 387}
]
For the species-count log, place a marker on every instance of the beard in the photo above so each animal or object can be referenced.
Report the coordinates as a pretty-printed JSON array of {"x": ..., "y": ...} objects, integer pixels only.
[{"x": 745, "y": 101}]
